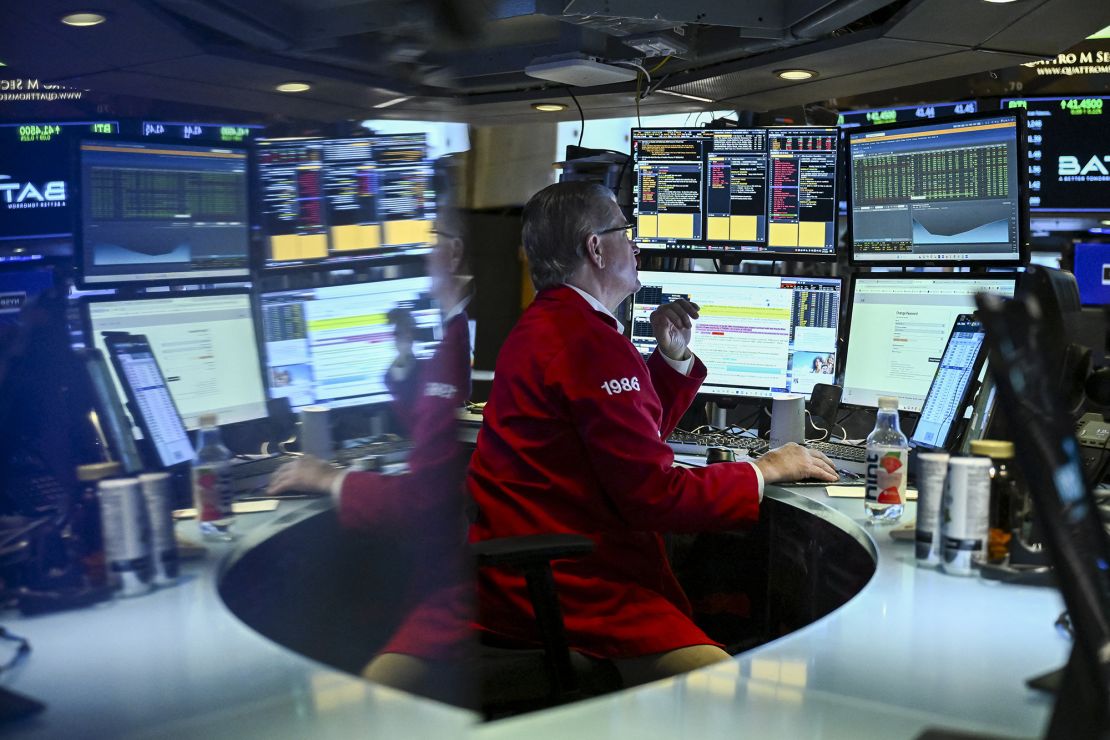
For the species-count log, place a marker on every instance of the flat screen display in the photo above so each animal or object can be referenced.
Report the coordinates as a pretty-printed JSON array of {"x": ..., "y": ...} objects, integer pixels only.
[
  {"x": 334, "y": 344},
  {"x": 1069, "y": 158},
  {"x": 37, "y": 193},
  {"x": 205, "y": 344},
  {"x": 756, "y": 334},
  {"x": 149, "y": 400},
  {"x": 713, "y": 192},
  {"x": 897, "y": 330},
  {"x": 328, "y": 201},
  {"x": 947, "y": 399},
  {"x": 157, "y": 212},
  {"x": 948, "y": 191},
  {"x": 904, "y": 114},
  {"x": 1092, "y": 273}
]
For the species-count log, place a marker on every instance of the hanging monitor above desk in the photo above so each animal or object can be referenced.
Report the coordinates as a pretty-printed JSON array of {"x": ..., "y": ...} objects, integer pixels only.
[
  {"x": 328, "y": 202},
  {"x": 767, "y": 192},
  {"x": 951, "y": 191},
  {"x": 158, "y": 213}
]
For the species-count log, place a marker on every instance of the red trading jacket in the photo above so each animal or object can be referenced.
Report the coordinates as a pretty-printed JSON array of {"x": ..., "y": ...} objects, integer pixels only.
[
  {"x": 425, "y": 507},
  {"x": 572, "y": 442}
]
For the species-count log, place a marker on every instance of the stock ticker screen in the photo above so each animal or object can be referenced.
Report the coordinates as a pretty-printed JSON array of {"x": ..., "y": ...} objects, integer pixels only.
[
  {"x": 904, "y": 114},
  {"x": 335, "y": 200},
  {"x": 947, "y": 191},
  {"x": 756, "y": 334},
  {"x": 152, "y": 212},
  {"x": 1069, "y": 157},
  {"x": 711, "y": 192}
]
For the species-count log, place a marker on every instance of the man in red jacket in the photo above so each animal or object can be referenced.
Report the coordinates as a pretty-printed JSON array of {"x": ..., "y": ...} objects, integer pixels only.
[{"x": 573, "y": 442}]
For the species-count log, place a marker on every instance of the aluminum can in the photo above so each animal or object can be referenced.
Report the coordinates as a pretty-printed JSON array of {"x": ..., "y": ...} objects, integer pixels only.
[
  {"x": 126, "y": 532},
  {"x": 932, "y": 469},
  {"x": 964, "y": 512},
  {"x": 158, "y": 496}
]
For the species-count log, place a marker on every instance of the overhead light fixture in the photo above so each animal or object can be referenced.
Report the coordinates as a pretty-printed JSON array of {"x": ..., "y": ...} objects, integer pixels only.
[
  {"x": 684, "y": 95},
  {"x": 1000, "y": 2},
  {"x": 293, "y": 87},
  {"x": 796, "y": 74},
  {"x": 83, "y": 18},
  {"x": 578, "y": 71},
  {"x": 394, "y": 101},
  {"x": 549, "y": 107}
]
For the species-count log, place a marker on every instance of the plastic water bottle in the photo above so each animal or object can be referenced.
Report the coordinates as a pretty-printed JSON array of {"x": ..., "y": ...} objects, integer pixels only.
[
  {"x": 212, "y": 482},
  {"x": 888, "y": 454}
]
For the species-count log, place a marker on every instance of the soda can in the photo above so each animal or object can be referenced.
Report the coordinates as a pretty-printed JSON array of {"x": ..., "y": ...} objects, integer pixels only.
[
  {"x": 126, "y": 531},
  {"x": 964, "y": 511},
  {"x": 158, "y": 496},
  {"x": 932, "y": 469}
]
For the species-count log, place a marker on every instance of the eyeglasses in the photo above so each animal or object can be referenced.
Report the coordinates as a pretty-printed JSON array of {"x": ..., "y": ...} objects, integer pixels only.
[{"x": 628, "y": 229}]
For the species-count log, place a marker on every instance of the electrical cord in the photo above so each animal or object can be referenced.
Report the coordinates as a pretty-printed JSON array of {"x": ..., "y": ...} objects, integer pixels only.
[{"x": 581, "y": 116}]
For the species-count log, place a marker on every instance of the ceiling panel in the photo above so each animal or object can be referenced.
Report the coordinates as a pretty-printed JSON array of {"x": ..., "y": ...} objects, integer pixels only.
[
  {"x": 957, "y": 64},
  {"x": 1053, "y": 26},
  {"x": 960, "y": 22}
]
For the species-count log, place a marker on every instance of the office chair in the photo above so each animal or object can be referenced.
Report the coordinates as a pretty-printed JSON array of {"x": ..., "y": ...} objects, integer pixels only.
[{"x": 514, "y": 679}]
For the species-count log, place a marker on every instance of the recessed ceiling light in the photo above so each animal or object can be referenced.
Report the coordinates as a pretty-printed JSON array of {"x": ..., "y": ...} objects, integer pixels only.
[
  {"x": 293, "y": 87},
  {"x": 84, "y": 18},
  {"x": 1000, "y": 1},
  {"x": 549, "y": 107},
  {"x": 1105, "y": 222},
  {"x": 795, "y": 74}
]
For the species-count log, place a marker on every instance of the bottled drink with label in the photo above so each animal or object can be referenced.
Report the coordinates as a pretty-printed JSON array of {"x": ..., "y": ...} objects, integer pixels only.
[
  {"x": 888, "y": 453},
  {"x": 212, "y": 482}
]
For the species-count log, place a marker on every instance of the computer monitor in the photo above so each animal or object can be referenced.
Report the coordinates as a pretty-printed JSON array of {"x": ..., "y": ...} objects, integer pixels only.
[
  {"x": 153, "y": 212},
  {"x": 903, "y": 114},
  {"x": 1091, "y": 267},
  {"x": 37, "y": 194},
  {"x": 756, "y": 334},
  {"x": 149, "y": 399},
  {"x": 333, "y": 345},
  {"x": 719, "y": 192},
  {"x": 898, "y": 324},
  {"x": 953, "y": 387},
  {"x": 205, "y": 343},
  {"x": 334, "y": 201},
  {"x": 1068, "y": 515},
  {"x": 950, "y": 191},
  {"x": 1069, "y": 164}
]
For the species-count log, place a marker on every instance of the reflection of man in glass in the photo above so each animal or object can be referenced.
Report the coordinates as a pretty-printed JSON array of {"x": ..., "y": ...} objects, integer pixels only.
[
  {"x": 402, "y": 378},
  {"x": 423, "y": 509}
]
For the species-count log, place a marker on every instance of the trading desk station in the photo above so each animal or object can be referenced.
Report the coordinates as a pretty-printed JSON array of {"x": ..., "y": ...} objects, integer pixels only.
[
  {"x": 274, "y": 228},
  {"x": 912, "y": 649}
]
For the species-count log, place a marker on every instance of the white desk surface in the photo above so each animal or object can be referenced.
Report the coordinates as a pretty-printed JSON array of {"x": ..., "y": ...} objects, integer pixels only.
[{"x": 914, "y": 649}]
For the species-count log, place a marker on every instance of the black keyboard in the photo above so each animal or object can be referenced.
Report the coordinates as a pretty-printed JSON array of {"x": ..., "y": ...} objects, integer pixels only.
[
  {"x": 840, "y": 451},
  {"x": 691, "y": 443},
  {"x": 251, "y": 467}
]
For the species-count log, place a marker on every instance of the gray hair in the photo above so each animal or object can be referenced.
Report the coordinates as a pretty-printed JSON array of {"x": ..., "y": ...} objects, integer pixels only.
[{"x": 556, "y": 223}]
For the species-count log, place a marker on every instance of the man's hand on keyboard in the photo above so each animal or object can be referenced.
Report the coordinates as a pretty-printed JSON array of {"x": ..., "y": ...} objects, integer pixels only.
[
  {"x": 307, "y": 473},
  {"x": 793, "y": 462}
]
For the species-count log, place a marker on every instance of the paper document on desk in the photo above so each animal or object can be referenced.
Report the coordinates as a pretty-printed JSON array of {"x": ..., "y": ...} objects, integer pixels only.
[
  {"x": 857, "y": 492},
  {"x": 238, "y": 507}
]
